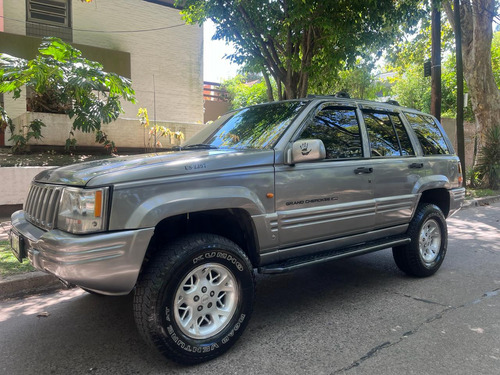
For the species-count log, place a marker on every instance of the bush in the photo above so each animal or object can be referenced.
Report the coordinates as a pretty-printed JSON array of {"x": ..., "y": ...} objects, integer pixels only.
[{"x": 489, "y": 159}]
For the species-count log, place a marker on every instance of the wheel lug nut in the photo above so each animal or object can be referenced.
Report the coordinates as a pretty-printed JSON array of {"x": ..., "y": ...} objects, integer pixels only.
[
  {"x": 200, "y": 308},
  {"x": 209, "y": 305},
  {"x": 196, "y": 298},
  {"x": 204, "y": 289},
  {"x": 212, "y": 293}
]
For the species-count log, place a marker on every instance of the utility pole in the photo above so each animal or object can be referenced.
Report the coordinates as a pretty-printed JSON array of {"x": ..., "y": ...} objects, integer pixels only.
[
  {"x": 460, "y": 86},
  {"x": 436, "y": 60}
]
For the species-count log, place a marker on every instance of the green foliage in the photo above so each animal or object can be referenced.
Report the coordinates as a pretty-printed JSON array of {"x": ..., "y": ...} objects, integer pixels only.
[
  {"x": 156, "y": 132},
  {"x": 495, "y": 56},
  {"x": 65, "y": 82},
  {"x": 411, "y": 88},
  {"x": 9, "y": 265},
  {"x": 301, "y": 40},
  {"x": 489, "y": 159},
  {"x": 359, "y": 81},
  {"x": 33, "y": 130},
  {"x": 243, "y": 93}
]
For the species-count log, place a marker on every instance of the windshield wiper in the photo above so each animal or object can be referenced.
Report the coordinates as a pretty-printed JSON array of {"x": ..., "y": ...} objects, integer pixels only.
[{"x": 201, "y": 146}]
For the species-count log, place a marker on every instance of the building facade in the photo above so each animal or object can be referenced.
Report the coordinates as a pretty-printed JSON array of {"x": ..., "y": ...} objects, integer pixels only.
[{"x": 145, "y": 40}]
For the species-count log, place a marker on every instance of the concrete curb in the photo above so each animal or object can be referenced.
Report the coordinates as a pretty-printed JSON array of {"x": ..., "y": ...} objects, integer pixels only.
[
  {"x": 485, "y": 201},
  {"x": 34, "y": 282},
  {"x": 27, "y": 284}
]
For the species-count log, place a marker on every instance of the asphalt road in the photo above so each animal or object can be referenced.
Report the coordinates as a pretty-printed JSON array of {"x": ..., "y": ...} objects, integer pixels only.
[{"x": 358, "y": 316}]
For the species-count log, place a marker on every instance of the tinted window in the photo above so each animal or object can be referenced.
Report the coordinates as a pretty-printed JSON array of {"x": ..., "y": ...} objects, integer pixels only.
[
  {"x": 429, "y": 134},
  {"x": 339, "y": 131},
  {"x": 383, "y": 138},
  {"x": 253, "y": 127},
  {"x": 404, "y": 139}
]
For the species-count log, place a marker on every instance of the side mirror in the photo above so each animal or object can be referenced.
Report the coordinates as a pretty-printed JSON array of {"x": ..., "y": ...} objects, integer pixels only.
[{"x": 305, "y": 150}]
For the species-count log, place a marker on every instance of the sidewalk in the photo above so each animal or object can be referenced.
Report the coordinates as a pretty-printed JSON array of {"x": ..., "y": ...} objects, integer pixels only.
[
  {"x": 33, "y": 282},
  {"x": 25, "y": 283}
]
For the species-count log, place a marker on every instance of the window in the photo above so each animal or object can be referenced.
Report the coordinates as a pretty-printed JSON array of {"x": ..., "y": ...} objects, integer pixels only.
[
  {"x": 257, "y": 127},
  {"x": 49, "y": 18},
  {"x": 404, "y": 139},
  {"x": 387, "y": 135},
  {"x": 430, "y": 136},
  {"x": 338, "y": 128}
]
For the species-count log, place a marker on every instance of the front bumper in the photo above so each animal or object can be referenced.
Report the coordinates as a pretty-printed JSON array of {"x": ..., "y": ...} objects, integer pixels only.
[{"x": 107, "y": 263}]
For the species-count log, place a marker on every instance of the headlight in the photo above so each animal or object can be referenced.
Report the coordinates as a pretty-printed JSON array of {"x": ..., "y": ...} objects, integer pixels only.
[{"x": 82, "y": 210}]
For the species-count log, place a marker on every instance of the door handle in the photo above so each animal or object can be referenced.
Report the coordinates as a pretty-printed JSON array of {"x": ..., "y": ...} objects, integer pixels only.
[
  {"x": 362, "y": 170},
  {"x": 416, "y": 165}
]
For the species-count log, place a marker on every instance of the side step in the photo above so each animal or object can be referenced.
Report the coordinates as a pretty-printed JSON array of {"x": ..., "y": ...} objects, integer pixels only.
[{"x": 365, "y": 248}]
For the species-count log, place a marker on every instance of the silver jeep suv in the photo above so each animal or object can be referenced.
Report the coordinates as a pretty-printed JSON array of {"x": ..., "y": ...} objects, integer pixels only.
[{"x": 271, "y": 188}]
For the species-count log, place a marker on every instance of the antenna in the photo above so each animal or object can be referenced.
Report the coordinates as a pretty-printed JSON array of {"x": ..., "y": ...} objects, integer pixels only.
[{"x": 154, "y": 112}]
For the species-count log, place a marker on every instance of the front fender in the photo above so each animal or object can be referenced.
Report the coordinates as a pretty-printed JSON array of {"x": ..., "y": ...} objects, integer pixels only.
[{"x": 149, "y": 212}]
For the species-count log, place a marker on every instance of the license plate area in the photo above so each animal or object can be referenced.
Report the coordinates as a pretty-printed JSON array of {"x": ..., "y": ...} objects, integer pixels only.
[{"x": 17, "y": 245}]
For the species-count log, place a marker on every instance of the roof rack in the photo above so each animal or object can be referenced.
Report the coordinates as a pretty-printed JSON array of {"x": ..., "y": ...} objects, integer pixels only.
[
  {"x": 393, "y": 102},
  {"x": 342, "y": 94}
]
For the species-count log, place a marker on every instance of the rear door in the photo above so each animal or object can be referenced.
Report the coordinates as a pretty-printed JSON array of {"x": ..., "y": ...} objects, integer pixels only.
[
  {"x": 329, "y": 198},
  {"x": 396, "y": 168}
]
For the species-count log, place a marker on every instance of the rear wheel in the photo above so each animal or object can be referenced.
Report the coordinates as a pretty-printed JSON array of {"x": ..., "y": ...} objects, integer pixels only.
[
  {"x": 195, "y": 298},
  {"x": 425, "y": 253}
]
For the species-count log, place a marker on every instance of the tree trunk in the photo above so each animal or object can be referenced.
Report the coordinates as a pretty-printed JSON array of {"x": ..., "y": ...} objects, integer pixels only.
[
  {"x": 477, "y": 34},
  {"x": 269, "y": 86}
]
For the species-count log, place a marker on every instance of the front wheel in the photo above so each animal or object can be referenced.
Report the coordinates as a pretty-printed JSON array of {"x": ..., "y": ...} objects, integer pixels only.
[
  {"x": 195, "y": 298},
  {"x": 425, "y": 253}
]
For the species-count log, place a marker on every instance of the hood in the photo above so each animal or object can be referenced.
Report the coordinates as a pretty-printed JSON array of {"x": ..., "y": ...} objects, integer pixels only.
[{"x": 150, "y": 166}]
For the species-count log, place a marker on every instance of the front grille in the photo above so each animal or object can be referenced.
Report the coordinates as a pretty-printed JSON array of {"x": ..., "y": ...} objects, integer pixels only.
[{"x": 41, "y": 206}]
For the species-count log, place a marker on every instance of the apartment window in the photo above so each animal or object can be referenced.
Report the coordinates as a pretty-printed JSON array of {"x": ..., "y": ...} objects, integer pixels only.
[{"x": 49, "y": 18}]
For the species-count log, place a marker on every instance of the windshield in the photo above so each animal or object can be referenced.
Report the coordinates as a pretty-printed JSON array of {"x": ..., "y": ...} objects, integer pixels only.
[{"x": 257, "y": 127}]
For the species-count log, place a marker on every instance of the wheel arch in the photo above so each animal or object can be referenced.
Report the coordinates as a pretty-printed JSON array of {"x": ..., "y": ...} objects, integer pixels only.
[
  {"x": 235, "y": 224},
  {"x": 440, "y": 197}
]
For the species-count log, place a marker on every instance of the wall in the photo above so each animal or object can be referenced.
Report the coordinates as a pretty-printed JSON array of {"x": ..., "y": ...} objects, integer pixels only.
[
  {"x": 166, "y": 62},
  {"x": 16, "y": 183},
  {"x": 449, "y": 125},
  {"x": 214, "y": 109},
  {"x": 173, "y": 55},
  {"x": 1, "y": 15},
  {"x": 124, "y": 132}
]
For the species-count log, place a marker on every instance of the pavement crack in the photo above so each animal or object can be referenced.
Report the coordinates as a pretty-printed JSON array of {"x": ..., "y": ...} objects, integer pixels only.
[
  {"x": 371, "y": 353},
  {"x": 367, "y": 356},
  {"x": 422, "y": 299}
]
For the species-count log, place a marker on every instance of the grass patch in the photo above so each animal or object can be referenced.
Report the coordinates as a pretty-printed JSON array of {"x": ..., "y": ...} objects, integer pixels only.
[
  {"x": 480, "y": 193},
  {"x": 9, "y": 265}
]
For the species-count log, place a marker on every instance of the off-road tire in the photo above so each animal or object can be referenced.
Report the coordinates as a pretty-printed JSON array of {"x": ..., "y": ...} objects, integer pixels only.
[
  {"x": 209, "y": 316},
  {"x": 425, "y": 253}
]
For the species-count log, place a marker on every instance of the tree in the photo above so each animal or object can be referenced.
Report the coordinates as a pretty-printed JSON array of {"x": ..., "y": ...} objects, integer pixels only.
[
  {"x": 63, "y": 81},
  {"x": 244, "y": 92},
  {"x": 296, "y": 41},
  {"x": 476, "y": 17},
  {"x": 411, "y": 88},
  {"x": 358, "y": 80}
]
